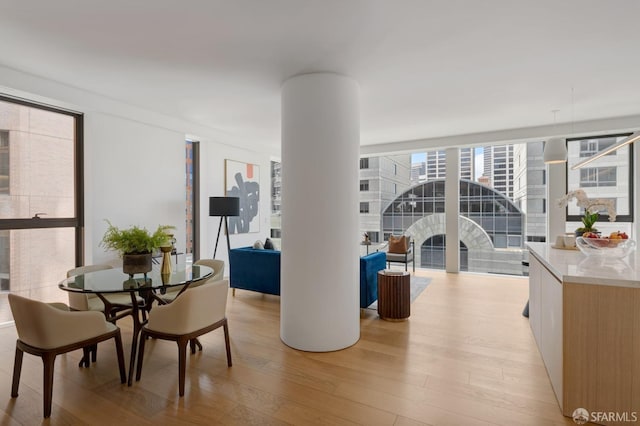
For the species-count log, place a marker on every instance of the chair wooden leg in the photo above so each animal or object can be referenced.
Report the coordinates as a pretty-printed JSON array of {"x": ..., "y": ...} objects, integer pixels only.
[
  {"x": 48, "y": 359},
  {"x": 182, "y": 364},
  {"x": 226, "y": 342},
  {"x": 17, "y": 369},
  {"x": 86, "y": 357},
  {"x": 143, "y": 339},
  {"x": 233, "y": 292},
  {"x": 120, "y": 354},
  {"x": 193, "y": 343}
]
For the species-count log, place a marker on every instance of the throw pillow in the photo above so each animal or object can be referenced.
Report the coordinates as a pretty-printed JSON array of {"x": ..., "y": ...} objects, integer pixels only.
[
  {"x": 398, "y": 244},
  {"x": 258, "y": 245},
  {"x": 268, "y": 244}
]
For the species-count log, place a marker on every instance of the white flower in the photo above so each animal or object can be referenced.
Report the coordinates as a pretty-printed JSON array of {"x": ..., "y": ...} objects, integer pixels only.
[{"x": 590, "y": 205}]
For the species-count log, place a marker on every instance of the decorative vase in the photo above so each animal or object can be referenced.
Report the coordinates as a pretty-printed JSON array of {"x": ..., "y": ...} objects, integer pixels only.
[
  {"x": 166, "y": 260},
  {"x": 136, "y": 263}
]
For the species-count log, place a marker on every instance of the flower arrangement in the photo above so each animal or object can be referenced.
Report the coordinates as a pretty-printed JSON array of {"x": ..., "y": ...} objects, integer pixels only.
[{"x": 591, "y": 208}]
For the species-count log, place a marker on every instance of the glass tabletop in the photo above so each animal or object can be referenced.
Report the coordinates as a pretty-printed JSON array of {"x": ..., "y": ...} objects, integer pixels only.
[{"x": 116, "y": 281}]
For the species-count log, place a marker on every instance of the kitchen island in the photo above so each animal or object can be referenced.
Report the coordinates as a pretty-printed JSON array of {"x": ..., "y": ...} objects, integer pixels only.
[{"x": 584, "y": 313}]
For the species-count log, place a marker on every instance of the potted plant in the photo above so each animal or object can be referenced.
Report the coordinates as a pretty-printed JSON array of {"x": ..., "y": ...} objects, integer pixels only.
[
  {"x": 135, "y": 245},
  {"x": 588, "y": 220}
]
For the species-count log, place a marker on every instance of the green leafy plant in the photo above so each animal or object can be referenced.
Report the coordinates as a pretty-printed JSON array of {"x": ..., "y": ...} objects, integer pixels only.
[
  {"x": 135, "y": 240},
  {"x": 588, "y": 220}
]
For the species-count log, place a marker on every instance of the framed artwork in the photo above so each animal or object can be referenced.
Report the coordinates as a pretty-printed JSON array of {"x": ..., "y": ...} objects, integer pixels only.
[{"x": 242, "y": 180}]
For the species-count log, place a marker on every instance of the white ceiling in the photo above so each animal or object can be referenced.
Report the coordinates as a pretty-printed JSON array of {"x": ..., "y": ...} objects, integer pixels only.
[{"x": 426, "y": 68}]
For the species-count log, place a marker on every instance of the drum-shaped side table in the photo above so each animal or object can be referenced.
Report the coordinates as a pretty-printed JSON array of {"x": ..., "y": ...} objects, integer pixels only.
[{"x": 394, "y": 296}]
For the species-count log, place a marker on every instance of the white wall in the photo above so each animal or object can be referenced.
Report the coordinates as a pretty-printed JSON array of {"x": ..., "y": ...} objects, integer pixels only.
[
  {"x": 134, "y": 175},
  {"x": 135, "y": 165}
]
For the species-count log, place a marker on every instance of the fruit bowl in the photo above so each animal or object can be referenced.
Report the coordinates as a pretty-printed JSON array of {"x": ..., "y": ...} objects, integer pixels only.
[{"x": 605, "y": 247}]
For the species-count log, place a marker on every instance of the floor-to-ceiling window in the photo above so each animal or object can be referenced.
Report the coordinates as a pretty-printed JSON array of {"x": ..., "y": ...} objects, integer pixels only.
[
  {"x": 40, "y": 199},
  {"x": 502, "y": 205}
]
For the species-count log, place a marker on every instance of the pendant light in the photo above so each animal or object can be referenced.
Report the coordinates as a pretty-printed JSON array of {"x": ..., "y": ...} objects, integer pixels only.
[{"x": 555, "y": 149}]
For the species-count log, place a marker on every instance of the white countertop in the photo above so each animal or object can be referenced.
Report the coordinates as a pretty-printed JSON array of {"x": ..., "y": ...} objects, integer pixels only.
[{"x": 573, "y": 266}]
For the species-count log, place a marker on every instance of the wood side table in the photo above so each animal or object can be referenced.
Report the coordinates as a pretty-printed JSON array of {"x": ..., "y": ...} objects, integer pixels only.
[{"x": 394, "y": 296}]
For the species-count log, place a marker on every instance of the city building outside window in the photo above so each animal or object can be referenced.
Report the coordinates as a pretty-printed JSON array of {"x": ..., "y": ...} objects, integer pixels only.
[
  {"x": 364, "y": 163},
  {"x": 374, "y": 236},
  {"x": 608, "y": 177},
  {"x": 364, "y": 185},
  {"x": 4, "y": 162},
  {"x": 40, "y": 177},
  {"x": 598, "y": 176},
  {"x": 364, "y": 207}
]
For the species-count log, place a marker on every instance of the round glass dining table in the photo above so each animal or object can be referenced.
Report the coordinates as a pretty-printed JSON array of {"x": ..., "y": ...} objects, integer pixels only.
[{"x": 146, "y": 286}]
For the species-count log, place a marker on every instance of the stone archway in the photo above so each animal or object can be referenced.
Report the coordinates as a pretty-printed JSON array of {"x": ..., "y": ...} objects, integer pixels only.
[{"x": 471, "y": 234}]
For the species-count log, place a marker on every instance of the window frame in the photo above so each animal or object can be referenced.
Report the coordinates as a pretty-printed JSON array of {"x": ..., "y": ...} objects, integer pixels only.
[{"x": 76, "y": 222}]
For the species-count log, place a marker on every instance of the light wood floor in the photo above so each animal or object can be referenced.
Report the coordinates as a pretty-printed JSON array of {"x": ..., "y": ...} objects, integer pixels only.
[{"x": 465, "y": 357}]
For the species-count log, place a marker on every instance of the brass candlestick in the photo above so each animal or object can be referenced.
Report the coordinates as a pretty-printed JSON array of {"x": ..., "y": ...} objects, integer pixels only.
[{"x": 166, "y": 260}]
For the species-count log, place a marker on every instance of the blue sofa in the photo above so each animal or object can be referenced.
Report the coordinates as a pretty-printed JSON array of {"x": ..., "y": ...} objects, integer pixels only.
[
  {"x": 259, "y": 270},
  {"x": 255, "y": 269},
  {"x": 369, "y": 267}
]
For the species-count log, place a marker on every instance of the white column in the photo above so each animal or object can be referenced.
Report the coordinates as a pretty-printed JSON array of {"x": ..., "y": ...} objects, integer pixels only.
[
  {"x": 452, "y": 209},
  {"x": 320, "y": 283},
  {"x": 556, "y": 189}
]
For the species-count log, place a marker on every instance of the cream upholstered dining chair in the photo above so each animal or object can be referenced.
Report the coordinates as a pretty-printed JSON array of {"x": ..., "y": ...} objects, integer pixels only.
[
  {"x": 218, "y": 274},
  {"x": 197, "y": 311},
  {"x": 47, "y": 331},
  {"x": 91, "y": 302}
]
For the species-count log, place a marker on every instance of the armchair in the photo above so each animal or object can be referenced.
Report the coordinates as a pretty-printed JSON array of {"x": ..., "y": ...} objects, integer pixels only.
[
  {"x": 47, "y": 331},
  {"x": 197, "y": 311},
  {"x": 400, "y": 249},
  {"x": 117, "y": 305}
]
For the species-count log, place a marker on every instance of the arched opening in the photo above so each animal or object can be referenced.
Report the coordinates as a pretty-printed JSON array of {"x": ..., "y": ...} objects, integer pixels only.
[{"x": 432, "y": 253}]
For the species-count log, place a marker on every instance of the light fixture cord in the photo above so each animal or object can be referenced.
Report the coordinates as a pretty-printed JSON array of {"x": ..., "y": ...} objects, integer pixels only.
[{"x": 572, "y": 111}]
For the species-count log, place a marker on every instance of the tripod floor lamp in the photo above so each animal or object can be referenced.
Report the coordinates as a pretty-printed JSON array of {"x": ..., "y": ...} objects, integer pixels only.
[{"x": 223, "y": 207}]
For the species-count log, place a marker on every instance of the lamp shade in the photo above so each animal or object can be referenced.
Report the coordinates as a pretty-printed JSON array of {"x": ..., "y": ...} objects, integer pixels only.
[
  {"x": 555, "y": 151},
  {"x": 224, "y": 206}
]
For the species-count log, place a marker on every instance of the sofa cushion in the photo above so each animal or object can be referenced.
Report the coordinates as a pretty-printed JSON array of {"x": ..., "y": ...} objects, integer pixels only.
[{"x": 268, "y": 244}]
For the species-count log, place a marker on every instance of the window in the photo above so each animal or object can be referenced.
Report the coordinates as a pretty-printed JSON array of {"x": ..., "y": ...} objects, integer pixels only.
[
  {"x": 42, "y": 170},
  {"x": 4, "y": 162},
  {"x": 589, "y": 147},
  {"x": 374, "y": 236},
  {"x": 364, "y": 163},
  {"x": 364, "y": 185},
  {"x": 364, "y": 207},
  {"x": 4, "y": 261},
  {"x": 608, "y": 177},
  {"x": 597, "y": 176}
]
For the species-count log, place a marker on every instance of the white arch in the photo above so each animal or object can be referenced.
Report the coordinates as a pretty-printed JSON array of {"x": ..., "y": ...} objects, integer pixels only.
[{"x": 471, "y": 234}]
